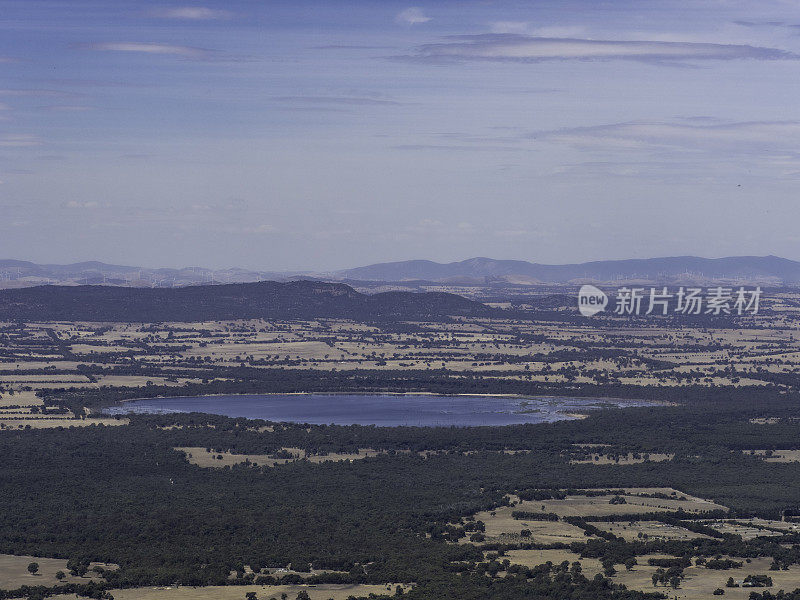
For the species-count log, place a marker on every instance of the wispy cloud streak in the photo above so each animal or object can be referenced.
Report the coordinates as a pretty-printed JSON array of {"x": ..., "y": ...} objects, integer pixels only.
[
  {"x": 523, "y": 48},
  {"x": 412, "y": 16},
  {"x": 191, "y": 13},
  {"x": 748, "y": 137},
  {"x": 340, "y": 100},
  {"x": 147, "y": 48}
]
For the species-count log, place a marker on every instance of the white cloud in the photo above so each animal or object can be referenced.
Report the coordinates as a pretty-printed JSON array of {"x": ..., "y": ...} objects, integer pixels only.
[
  {"x": 191, "y": 13},
  {"x": 412, "y": 16},
  {"x": 523, "y": 48},
  {"x": 547, "y": 31},
  {"x": 148, "y": 48}
]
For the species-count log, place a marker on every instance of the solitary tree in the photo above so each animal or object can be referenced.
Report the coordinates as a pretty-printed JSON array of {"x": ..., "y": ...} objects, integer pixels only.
[{"x": 33, "y": 568}]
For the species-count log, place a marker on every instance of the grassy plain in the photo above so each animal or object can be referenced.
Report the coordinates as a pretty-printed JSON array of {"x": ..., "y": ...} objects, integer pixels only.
[
  {"x": 501, "y": 526},
  {"x": 531, "y": 558},
  {"x": 598, "y": 506},
  {"x": 237, "y": 592},
  {"x": 627, "y": 459},
  {"x": 205, "y": 458},
  {"x": 23, "y": 409},
  {"x": 647, "y": 530},
  {"x": 779, "y": 456},
  {"x": 700, "y": 582},
  {"x": 14, "y": 571}
]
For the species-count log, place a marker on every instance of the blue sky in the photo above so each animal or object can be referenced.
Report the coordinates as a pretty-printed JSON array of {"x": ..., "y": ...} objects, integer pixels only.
[{"x": 320, "y": 135}]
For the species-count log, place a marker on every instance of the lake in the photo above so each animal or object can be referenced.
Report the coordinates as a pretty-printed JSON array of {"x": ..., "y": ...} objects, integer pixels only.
[{"x": 389, "y": 410}]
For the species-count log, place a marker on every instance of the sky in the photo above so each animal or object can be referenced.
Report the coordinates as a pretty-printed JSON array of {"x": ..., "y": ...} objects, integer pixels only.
[{"x": 318, "y": 135}]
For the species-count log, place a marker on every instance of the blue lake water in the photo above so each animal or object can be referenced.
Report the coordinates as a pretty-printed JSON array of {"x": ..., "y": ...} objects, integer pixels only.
[{"x": 389, "y": 410}]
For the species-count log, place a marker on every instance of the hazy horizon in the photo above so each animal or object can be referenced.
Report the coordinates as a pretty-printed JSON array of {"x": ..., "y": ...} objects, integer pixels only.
[
  {"x": 320, "y": 136},
  {"x": 367, "y": 264}
]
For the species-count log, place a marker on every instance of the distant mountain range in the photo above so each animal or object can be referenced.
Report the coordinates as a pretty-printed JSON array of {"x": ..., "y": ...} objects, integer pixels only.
[
  {"x": 764, "y": 269},
  {"x": 768, "y": 270},
  {"x": 267, "y": 300},
  {"x": 20, "y": 273}
]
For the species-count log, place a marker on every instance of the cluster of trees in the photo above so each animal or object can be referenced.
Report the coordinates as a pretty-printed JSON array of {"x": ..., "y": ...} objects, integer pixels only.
[
  {"x": 781, "y": 595},
  {"x": 92, "y": 589},
  {"x": 751, "y": 581},
  {"x": 722, "y": 564},
  {"x": 526, "y": 515}
]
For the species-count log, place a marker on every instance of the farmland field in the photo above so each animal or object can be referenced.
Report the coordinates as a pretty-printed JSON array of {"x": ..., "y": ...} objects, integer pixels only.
[{"x": 290, "y": 504}]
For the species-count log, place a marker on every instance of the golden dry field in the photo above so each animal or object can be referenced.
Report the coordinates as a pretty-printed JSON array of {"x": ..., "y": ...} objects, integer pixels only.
[
  {"x": 647, "y": 530},
  {"x": 628, "y": 459},
  {"x": 237, "y": 592},
  {"x": 14, "y": 571},
  {"x": 598, "y": 506},
  {"x": 22, "y": 409},
  {"x": 700, "y": 582},
  {"x": 531, "y": 558},
  {"x": 502, "y": 526},
  {"x": 204, "y": 457},
  {"x": 780, "y": 456}
]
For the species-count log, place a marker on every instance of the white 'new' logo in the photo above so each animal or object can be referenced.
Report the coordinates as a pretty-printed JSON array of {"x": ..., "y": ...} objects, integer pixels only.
[{"x": 591, "y": 300}]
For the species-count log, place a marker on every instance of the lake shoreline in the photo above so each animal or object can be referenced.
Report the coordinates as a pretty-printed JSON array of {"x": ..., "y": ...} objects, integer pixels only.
[
  {"x": 384, "y": 409},
  {"x": 431, "y": 394}
]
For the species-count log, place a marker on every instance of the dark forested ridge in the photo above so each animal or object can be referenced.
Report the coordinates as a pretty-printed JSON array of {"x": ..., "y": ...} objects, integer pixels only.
[{"x": 265, "y": 299}]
